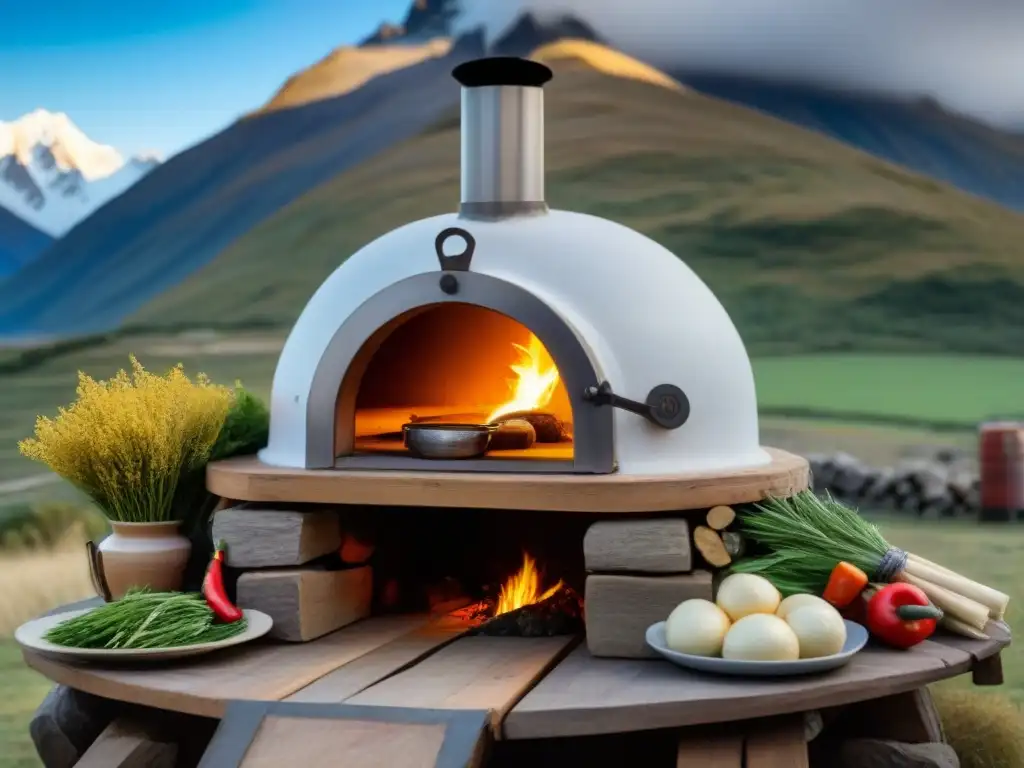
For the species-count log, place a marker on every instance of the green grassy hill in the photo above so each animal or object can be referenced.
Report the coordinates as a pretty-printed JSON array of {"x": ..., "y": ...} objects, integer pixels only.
[{"x": 811, "y": 245}]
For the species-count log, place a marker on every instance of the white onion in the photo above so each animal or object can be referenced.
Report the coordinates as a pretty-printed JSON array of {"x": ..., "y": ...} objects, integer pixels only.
[
  {"x": 741, "y": 594},
  {"x": 819, "y": 629},
  {"x": 761, "y": 637},
  {"x": 696, "y": 627},
  {"x": 793, "y": 602}
]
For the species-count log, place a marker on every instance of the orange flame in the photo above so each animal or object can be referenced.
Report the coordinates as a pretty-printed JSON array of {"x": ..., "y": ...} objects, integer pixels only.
[
  {"x": 535, "y": 382},
  {"x": 523, "y": 588}
]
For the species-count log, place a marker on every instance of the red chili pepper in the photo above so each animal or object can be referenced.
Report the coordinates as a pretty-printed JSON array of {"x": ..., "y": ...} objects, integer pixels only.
[
  {"x": 900, "y": 615},
  {"x": 214, "y": 592}
]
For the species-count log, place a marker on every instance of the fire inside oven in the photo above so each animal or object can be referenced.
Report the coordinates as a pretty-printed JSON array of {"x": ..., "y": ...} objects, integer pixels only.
[{"x": 455, "y": 381}]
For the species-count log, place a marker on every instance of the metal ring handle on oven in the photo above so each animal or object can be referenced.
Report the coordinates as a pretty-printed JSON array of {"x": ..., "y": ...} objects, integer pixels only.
[{"x": 458, "y": 262}]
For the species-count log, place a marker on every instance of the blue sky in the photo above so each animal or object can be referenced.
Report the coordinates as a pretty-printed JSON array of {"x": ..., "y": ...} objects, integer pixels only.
[{"x": 163, "y": 75}]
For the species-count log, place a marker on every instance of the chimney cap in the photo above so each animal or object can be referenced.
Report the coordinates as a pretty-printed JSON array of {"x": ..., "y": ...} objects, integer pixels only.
[{"x": 502, "y": 70}]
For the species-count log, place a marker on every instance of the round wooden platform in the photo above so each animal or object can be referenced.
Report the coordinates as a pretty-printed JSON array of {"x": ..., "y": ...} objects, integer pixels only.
[
  {"x": 248, "y": 479},
  {"x": 529, "y": 687}
]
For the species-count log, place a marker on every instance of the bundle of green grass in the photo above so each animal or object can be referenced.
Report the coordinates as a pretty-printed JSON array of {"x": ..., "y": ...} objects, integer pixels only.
[{"x": 986, "y": 730}]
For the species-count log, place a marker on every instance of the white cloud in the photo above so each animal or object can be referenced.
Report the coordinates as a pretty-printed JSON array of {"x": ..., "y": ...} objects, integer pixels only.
[{"x": 968, "y": 54}]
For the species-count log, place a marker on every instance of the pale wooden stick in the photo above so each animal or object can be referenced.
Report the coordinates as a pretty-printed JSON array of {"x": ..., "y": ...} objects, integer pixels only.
[
  {"x": 958, "y": 627},
  {"x": 962, "y": 608},
  {"x": 993, "y": 599}
]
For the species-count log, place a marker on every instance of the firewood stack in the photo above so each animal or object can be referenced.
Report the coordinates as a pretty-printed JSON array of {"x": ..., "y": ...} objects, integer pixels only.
[
  {"x": 639, "y": 570},
  {"x": 274, "y": 549}
]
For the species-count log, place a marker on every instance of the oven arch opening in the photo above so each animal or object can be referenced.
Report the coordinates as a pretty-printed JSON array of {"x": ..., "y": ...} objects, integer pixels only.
[{"x": 349, "y": 426}]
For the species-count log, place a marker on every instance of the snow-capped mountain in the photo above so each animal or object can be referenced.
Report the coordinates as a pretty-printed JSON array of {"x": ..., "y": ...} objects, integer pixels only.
[{"x": 52, "y": 175}]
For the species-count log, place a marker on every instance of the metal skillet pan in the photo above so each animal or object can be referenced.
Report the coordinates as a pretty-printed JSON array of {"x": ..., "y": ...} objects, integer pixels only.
[{"x": 430, "y": 440}]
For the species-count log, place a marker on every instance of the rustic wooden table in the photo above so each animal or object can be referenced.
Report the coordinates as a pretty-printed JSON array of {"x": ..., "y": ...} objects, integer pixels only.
[{"x": 414, "y": 685}]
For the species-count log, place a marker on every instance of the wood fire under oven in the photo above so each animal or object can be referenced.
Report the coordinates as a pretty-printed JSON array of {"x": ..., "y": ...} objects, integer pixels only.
[{"x": 616, "y": 395}]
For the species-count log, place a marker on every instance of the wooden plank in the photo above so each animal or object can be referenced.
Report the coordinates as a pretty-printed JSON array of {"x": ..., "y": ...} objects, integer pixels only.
[
  {"x": 585, "y": 696},
  {"x": 127, "y": 744},
  {"x": 715, "y": 750},
  {"x": 263, "y": 538},
  {"x": 359, "y": 674},
  {"x": 489, "y": 673},
  {"x": 988, "y": 671},
  {"x": 777, "y": 744},
  {"x": 272, "y": 734},
  {"x": 621, "y": 608},
  {"x": 248, "y": 478},
  {"x": 327, "y": 743},
  {"x": 306, "y": 604},
  {"x": 986, "y": 664},
  {"x": 651, "y": 546},
  {"x": 257, "y": 671}
]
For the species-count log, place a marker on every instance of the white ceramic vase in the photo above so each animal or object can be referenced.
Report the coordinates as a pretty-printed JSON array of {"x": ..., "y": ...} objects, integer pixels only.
[{"x": 152, "y": 555}]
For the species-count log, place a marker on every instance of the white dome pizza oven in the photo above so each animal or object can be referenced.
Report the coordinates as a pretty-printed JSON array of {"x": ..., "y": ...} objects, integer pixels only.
[{"x": 509, "y": 308}]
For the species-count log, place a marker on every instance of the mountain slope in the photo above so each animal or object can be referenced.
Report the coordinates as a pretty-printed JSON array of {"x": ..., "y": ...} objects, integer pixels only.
[
  {"x": 346, "y": 69},
  {"x": 920, "y": 135},
  {"x": 603, "y": 59},
  {"x": 810, "y": 244},
  {"x": 186, "y": 211},
  {"x": 52, "y": 175},
  {"x": 20, "y": 243},
  {"x": 917, "y": 134}
]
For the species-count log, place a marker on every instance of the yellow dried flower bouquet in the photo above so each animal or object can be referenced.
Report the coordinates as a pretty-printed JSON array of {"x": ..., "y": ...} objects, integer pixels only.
[{"x": 128, "y": 442}]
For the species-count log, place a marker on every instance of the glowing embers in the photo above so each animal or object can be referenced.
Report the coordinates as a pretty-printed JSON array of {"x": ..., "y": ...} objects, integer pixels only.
[{"x": 523, "y": 609}]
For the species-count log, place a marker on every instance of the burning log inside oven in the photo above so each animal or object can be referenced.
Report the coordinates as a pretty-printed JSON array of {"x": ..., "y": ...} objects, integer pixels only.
[
  {"x": 548, "y": 427},
  {"x": 513, "y": 435}
]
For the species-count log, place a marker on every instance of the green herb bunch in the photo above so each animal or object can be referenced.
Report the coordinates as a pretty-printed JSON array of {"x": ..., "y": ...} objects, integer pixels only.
[
  {"x": 144, "y": 619},
  {"x": 807, "y": 537}
]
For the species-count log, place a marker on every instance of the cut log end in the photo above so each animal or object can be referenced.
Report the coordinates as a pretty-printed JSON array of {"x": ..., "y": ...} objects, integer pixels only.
[
  {"x": 734, "y": 544},
  {"x": 710, "y": 546},
  {"x": 721, "y": 517}
]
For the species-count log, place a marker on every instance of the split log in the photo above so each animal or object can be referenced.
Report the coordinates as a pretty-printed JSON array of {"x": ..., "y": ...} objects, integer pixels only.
[
  {"x": 548, "y": 427},
  {"x": 734, "y": 544},
  {"x": 647, "y": 546},
  {"x": 306, "y": 604},
  {"x": 710, "y": 546},
  {"x": 262, "y": 538},
  {"x": 560, "y": 614},
  {"x": 513, "y": 435},
  {"x": 619, "y": 609},
  {"x": 721, "y": 517},
  {"x": 67, "y": 723},
  {"x": 127, "y": 744}
]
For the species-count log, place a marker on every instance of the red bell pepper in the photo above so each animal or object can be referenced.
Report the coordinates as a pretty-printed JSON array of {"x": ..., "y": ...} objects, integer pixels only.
[
  {"x": 215, "y": 593},
  {"x": 901, "y": 616}
]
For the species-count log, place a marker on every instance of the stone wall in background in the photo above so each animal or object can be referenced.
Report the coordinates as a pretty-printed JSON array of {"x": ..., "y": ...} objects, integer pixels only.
[{"x": 945, "y": 484}]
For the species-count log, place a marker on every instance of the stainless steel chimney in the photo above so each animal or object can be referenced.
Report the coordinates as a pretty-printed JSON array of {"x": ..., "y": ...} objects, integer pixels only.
[{"x": 502, "y": 137}]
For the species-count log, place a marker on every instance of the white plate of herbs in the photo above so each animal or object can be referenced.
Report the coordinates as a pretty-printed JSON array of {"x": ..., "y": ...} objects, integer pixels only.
[{"x": 140, "y": 627}]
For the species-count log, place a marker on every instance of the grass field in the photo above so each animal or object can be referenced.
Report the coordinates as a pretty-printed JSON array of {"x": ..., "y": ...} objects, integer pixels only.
[
  {"x": 992, "y": 555},
  {"x": 946, "y": 390}
]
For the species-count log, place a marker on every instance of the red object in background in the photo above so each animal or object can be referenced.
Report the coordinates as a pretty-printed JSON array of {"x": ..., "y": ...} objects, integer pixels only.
[
  {"x": 900, "y": 615},
  {"x": 1001, "y": 461}
]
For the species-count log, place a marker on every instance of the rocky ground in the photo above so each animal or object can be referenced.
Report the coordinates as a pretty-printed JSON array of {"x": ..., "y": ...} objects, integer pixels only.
[{"x": 943, "y": 484}]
